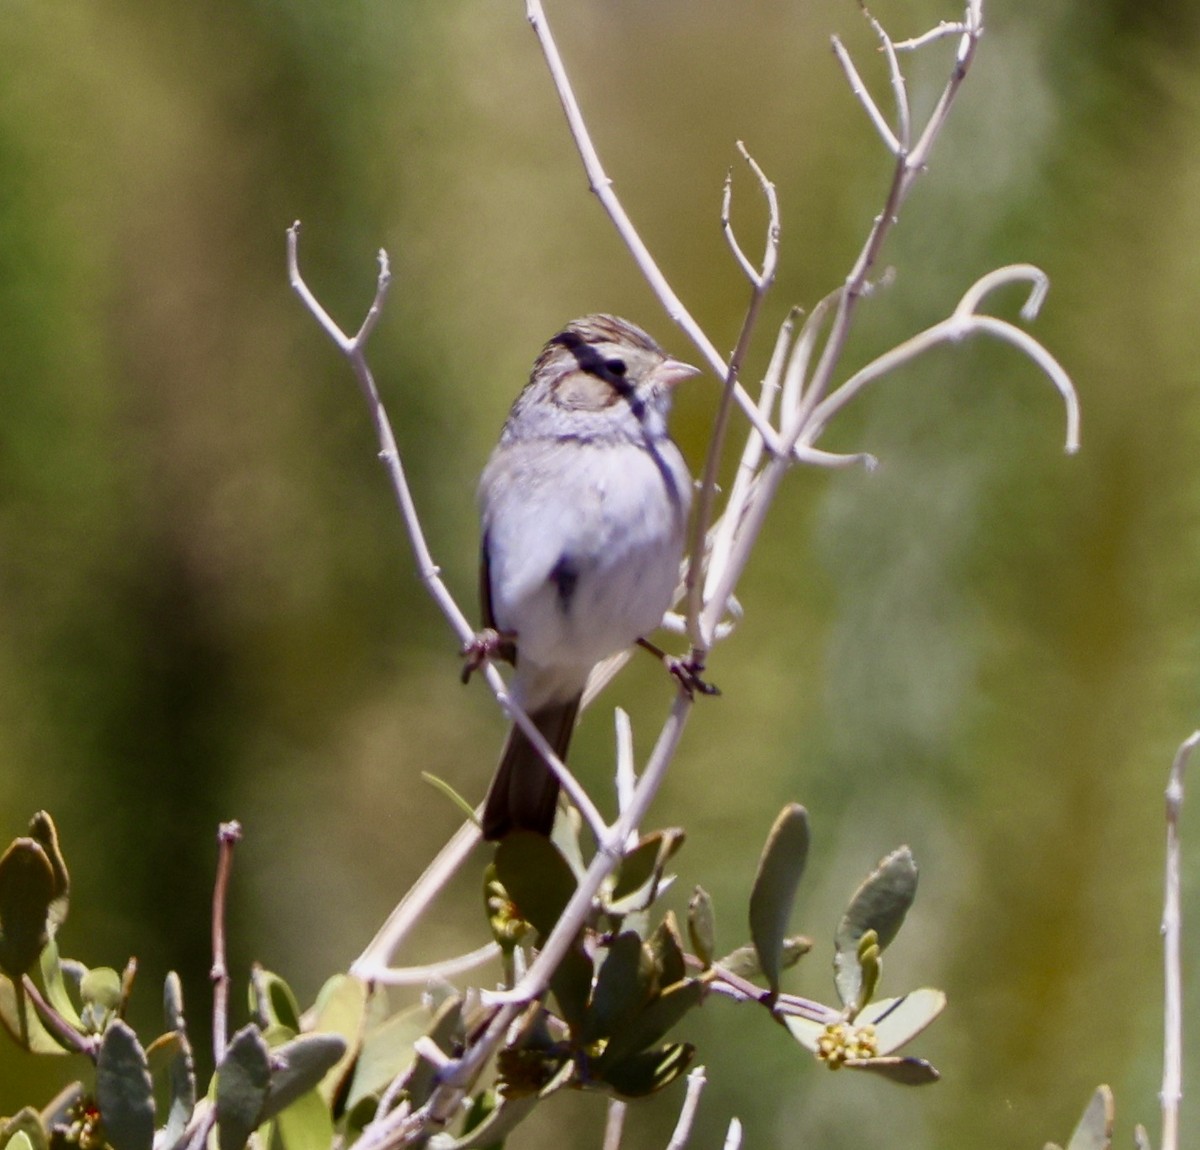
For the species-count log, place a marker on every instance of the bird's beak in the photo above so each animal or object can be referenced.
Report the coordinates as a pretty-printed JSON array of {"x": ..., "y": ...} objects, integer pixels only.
[{"x": 673, "y": 371}]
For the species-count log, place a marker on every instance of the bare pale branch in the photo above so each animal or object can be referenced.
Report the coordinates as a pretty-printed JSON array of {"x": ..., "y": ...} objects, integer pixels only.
[
  {"x": 446, "y": 969},
  {"x": 960, "y": 325},
  {"x": 687, "y": 1112},
  {"x": 761, "y": 283},
  {"x": 601, "y": 185},
  {"x": 1172, "y": 931},
  {"x": 864, "y": 97},
  {"x": 614, "y": 1124}
]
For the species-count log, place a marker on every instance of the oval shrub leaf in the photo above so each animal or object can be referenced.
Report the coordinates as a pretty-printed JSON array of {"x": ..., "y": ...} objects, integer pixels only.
[
  {"x": 702, "y": 926},
  {"x": 243, "y": 1079},
  {"x": 1095, "y": 1128},
  {"x": 123, "y": 1090},
  {"x": 898, "y": 1020},
  {"x": 774, "y": 890},
  {"x": 27, "y": 890},
  {"x": 879, "y": 904},
  {"x": 536, "y": 877},
  {"x": 905, "y": 1071}
]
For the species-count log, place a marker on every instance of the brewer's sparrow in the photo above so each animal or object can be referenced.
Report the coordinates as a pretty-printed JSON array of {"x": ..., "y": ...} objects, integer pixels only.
[{"x": 584, "y": 507}]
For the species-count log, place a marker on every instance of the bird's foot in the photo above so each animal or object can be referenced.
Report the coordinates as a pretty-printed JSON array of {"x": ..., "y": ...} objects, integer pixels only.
[
  {"x": 487, "y": 644},
  {"x": 686, "y": 670}
]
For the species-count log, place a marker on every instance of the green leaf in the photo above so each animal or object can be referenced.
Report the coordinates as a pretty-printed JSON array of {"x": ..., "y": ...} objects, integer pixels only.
[
  {"x": 386, "y": 1050},
  {"x": 341, "y": 1008},
  {"x": 18, "y": 1141},
  {"x": 779, "y": 870},
  {"x": 446, "y": 1032},
  {"x": 537, "y": 878},
  {"x": 641, "y": 871},
  {"x": 653, "y": 1021},
  {"x": 298, "y": 1067},
  {"x": 27, "y": 889},
  {"x": 899, "y": 1020},
  {"x": 644, "y": 1073},
  {"x": 879, "y": 904},
  {"x": 181, "y": 1071},
  {"x": 42, "y": 828},
  {"x": 744, "y": 961},
  {"x": 272, "y": 1001},
  {"x": 464, "y": 808},
  {"x": 490, "y": 1131},
  {"x": 101, "y": 988},
  {"x": 243, "y": 1079},
  {"x": 624, "y": 985},
  {"x": 904, "y": 1071},
  {"x": 27, "y": 1124},
  {"x": 56, "y": 985},
  {"x": 1095, "y": 1128},
  {"x": 571, "y": 984},
  {"x": 123, "y": 1090},
  {"x": 702, "y": 926},
  {"x": 22, "y": 1021},
  {"x": 306, "y": 1124},
  {"x": 666, "y": 947}
]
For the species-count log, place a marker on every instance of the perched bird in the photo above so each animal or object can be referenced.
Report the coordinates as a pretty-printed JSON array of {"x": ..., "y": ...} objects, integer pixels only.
[{"x": 584, "y": 506}]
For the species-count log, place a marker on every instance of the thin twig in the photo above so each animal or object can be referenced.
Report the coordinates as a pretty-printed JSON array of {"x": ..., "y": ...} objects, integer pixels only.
[
  {"x": 961, "y": 324},
  {"x": 601, "y": 186},
  {"x": 1172, "y": 929},
  {"x": 458, "y": 1080},
  {"x": 228, "y": 836},
  {"x": 761, "y": 282},
  {"x": 687, "y": 1112},
  {"x": 371, "y": 965},
  {"x": 614, "y": 1124},
  {"x": 354, "y": 349},
  {"x": 446, "y": 969},
  {"x": 52, "y": 1020},
  {"x": 733, "y": 1137}
]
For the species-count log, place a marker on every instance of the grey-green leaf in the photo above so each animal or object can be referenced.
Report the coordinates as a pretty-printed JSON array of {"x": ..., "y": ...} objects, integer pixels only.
[
  {"x": 181, "y": 1073},
  {"x": 779, "y": 870},
  {"x": 123, "y": 1090},
  {"x": 243, "y": 1079},
  {"x": 624, "y": 985},
  {"x": 1095, "y": 1128},
  {"x": 702, "y": 926},
  {"x": 27, "y": 890},
  {"x": 879, "y": 904},
  {"x": 536, "y": 876},
  {"x": 649, "y": 1071},
  {"x": 898, "y": 1020},
  {"x": 298, "y": 1067},
  {"x": 904, "y": 1071},
  {"x": 652, "y": 1022},
  {"x": 42, "y": 828}
]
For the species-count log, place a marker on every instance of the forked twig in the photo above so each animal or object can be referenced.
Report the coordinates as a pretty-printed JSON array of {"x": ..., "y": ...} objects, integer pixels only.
[
  {"x": 353, "y": 347},
  {"x": 601, "y": 186}
]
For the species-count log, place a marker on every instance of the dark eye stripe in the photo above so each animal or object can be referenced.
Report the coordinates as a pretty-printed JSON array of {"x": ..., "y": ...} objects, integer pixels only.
[{"x": 617, "y": 367}]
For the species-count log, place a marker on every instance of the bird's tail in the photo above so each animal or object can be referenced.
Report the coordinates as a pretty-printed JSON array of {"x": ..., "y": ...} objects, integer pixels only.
[{"x": 524, "y": 791}]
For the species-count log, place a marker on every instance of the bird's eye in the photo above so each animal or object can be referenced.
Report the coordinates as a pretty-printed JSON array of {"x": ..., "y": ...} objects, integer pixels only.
[{"x": 616, "y": 367}]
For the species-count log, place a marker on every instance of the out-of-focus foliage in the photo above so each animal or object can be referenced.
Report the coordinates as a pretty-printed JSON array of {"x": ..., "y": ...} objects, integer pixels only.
[{"x": 208, "y": 609}]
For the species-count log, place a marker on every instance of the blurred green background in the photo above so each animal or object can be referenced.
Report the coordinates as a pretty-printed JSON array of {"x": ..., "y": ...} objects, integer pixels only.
[{"x": 987, "y": 650}]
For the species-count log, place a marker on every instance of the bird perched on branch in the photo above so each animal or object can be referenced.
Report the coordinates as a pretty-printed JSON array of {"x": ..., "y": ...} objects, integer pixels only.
[{"x": 584, "y": 506}]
